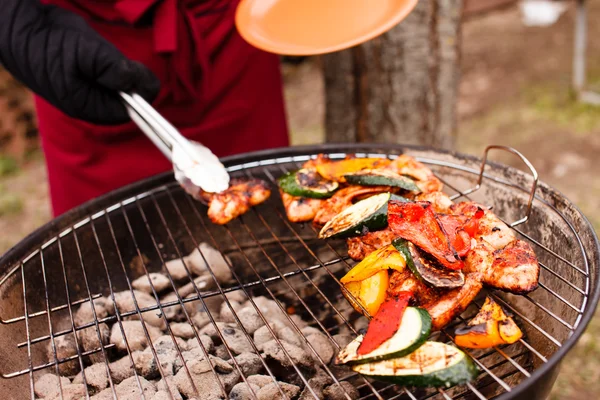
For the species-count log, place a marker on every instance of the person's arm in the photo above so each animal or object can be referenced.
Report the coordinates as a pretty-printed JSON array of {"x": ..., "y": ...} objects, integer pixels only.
[{"x": 61, "y": 58}]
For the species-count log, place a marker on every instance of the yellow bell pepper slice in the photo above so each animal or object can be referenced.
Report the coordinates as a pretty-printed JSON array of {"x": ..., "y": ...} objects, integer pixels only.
[
  {"x": 335, "y": 171},
  {"x": 382, "y": 259},
  {"x": 370, "y": 292},
  {"x": 490, "y": 327}
]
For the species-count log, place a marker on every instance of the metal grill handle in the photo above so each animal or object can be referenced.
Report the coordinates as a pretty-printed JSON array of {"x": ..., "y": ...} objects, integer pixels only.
[{"x": 534, "y": 174}]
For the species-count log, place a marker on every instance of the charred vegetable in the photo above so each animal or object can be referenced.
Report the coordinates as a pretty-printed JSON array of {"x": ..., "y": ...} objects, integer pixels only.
[
  {"x": 385, "y": 323},
  {"x": 366, "y": 215},
  {"x": 370, "y": 293},
  {"x": 427, "y": 269},
  {"x": 433, "y": 364},
  {"x": 307, "y": 183},
  {"x": 417, "y": 223},
  {"x": 412, "y": 332},
  {"x": 381, "y": 177},
  {"x": 335, "y": 171},
  {"x": 490, "y": 327},
  {"x": 382, "y": 259}
]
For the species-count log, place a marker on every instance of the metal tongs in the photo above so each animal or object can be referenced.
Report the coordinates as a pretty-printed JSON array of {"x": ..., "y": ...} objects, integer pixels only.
[{"x": 196, "y": 167}]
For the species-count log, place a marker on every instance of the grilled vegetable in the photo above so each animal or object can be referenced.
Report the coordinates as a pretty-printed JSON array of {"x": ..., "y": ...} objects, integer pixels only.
[
  {"x": 365, "y": 215},
  {"x": 417, "y": 223},
  {"x": 490, "y": 327},
  {"x": 385, "y": 323},
  {"x": 433, "y": 364},
  {"x": 307, "y": 183},
  {"x": 413, "y": 331},
  {"x": 381, "y": 177},
  {"x": 335, "y": 171},
  {"x": 383, "y": 259},
  {"x": 370, "y": 293},
  {"x": 427, "y": 269}
]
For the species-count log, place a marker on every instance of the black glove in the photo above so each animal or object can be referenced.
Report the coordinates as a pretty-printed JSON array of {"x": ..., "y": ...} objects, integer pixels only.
[{"x": 61, "y": 58}]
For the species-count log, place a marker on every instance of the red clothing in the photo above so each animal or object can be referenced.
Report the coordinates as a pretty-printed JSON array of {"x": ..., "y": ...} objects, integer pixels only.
[{"x": 217, "y": 89}]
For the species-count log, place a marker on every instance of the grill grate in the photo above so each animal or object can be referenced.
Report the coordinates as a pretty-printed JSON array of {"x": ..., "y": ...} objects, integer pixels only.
[{"x": 284, "y": 262}]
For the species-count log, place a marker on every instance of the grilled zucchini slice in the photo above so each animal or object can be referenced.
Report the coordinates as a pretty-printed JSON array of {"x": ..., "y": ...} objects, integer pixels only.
[
  {"x": 426, "y": 268},
  {"x": 375, "y": 177},
  {"x": 307, "y": 183},
  {"x": 434, "y": 364},
  {"x": 412, "y": 333},
  {"x": 368, "y": 214}
]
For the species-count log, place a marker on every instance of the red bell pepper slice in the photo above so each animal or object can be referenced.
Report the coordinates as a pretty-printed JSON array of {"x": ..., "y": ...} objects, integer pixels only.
[
  {"x": 385, "y": 323},
  {"x": 454, "y": 227},
  {"x": 417, "y": 223}
]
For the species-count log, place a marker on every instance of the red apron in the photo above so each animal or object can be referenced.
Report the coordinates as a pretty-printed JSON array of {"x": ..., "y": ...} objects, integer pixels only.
[{"x": 216, "y": 88}]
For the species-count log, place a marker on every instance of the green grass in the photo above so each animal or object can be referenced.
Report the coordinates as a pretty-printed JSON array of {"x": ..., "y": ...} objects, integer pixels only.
[
  {"x": 8, "y": 165},
  {"x": 557, "y": 103},
  {"x": 10, "y": 204}
]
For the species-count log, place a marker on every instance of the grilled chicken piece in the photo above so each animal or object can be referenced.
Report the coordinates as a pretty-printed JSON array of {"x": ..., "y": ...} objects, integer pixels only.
[
  {"x": 453, "y": 302},
  {"x": 406, "y": 281},
  {"x": 439, "y": 200},
  {"x": 504, "y": 262},
  {"x": 344, "y": 198},
  {"x": 513, "y": 269},
  {"x": 235, "y": 200},
  {"x": 423, "y": 176},
  {"x": 442, "y": 304},
  {"x": 300, "y": 209},
  {"x": 361, "y": 246},
  {"x": 491, "y": 229}
]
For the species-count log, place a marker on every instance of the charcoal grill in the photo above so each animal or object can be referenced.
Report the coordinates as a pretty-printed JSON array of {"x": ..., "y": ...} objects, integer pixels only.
[{"x": 103, "y": 245}]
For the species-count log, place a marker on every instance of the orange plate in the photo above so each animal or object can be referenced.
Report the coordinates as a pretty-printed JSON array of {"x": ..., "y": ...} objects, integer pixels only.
[{"x": 308, "y": 27}]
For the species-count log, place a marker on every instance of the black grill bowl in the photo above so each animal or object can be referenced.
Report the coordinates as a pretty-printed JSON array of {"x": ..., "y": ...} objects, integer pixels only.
[{"x": 97, "y": 246}]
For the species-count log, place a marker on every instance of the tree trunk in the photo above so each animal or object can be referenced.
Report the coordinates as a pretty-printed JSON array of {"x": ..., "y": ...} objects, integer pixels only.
[{"x": 400, "y": 87}]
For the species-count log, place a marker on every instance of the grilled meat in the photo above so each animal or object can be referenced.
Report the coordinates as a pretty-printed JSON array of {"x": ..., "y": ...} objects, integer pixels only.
[
  {"x": 406, "y": 281},
  {"x": 442, "y": 304},
  {"x": 439, "y": 200},
  {"x": 423, "y": 176},
  {"x": 504, "y": 262},
  {"x": 361, "y": 246},
  {"x": 513, "y": 269},
  {"x": 235, "y": 200},
  {"x": 452, "y": 303},
  {"x": 300, "y": 209},
  {"x": 491, "y": 229},
  {"x": 344, "y": 198}
]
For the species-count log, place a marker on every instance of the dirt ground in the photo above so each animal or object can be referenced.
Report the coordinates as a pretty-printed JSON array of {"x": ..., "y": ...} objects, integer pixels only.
[{"x": 514, "y": 91}]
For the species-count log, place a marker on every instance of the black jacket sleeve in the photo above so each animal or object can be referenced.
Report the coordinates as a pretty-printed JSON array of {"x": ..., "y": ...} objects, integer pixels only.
[{"x": 61, "y": 58}]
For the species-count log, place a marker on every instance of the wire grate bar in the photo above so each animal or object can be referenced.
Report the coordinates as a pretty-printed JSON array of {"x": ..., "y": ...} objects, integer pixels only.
[
  {"x": 58, "y": 362},
  {"x": 564, "y": 280},
  {"x": 117, "y": 312},
  {"x": 216, "y": 281},
  {"x": 45, "y": 312},
  {"x": 323, "y": 296},
  {"x": 50, "y": 327},
  {"x": 179, "y": 299},
  {"x": 534, "y": 241},
  {"x": 323, "y": 364},
  {"x": 176, "y": 303},
  {"x": 529, "y": 321},
  {"x": 547, "y": 311},
  {"x": 555, "y": 254},
  {"x": 265, "y": 233},
  {"x": 25, "y": 311}
]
